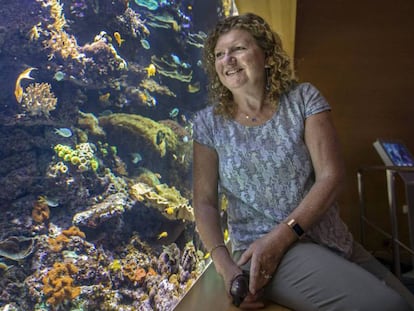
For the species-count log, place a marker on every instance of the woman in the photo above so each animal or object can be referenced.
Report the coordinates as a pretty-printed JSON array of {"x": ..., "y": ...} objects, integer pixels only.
[{"x": 268, "y": 144}]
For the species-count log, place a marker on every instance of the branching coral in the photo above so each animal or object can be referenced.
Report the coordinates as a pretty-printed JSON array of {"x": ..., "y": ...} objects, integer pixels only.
[
  {"x": 38, "y": 99},
  {"x": 59, "y": 41},
  {"x": 58, "y": 284}
]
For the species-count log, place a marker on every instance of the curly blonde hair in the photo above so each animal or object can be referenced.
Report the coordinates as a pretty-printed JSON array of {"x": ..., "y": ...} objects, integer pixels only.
[{"x": 280, "y": 75}]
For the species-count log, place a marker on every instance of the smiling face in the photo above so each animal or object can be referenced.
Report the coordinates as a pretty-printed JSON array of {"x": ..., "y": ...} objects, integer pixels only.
[{"x": 239, "y": 61}]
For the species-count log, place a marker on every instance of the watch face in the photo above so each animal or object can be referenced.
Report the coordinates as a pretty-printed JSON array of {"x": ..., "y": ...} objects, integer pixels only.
[{"x": 298, "y": 229}]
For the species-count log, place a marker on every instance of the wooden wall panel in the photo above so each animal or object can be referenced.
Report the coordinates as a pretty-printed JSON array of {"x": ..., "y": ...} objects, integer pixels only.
[{"x": 361, "y": 56}]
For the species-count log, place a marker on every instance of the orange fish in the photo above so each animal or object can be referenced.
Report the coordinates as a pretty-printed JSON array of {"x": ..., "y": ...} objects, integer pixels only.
[
  {"x": 18, "y": 90},
  {"x": 118, "y": 38}
]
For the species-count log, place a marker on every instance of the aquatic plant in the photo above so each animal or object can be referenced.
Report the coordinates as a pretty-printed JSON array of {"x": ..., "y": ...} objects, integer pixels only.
[{"x": 38, "y": 99}]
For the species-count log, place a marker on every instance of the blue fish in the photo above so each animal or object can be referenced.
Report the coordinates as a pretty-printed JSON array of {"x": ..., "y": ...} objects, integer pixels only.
[{"x": 174, "y": 113}]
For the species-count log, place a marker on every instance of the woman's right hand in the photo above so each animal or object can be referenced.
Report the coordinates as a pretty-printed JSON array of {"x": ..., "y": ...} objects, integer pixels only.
[{"x": 228, "y": 269}]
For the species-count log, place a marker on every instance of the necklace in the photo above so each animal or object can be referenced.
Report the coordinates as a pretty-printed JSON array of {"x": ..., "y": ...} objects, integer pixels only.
[{"x": 249, "y": 118}]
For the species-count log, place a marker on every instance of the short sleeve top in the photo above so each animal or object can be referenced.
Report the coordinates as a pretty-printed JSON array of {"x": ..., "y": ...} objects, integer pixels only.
[{"x": 266, "y": 170}]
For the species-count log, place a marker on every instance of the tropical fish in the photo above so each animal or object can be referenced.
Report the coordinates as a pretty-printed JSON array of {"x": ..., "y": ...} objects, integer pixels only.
[
  {"x": 174, "y": 113},
  {"x": 18, "y": 90},
  {"x": 136, "y": 157},
  {"x": 169, "y": 210},
  {"x": 104, "y": 97},
  {"x": 59, "y": 75},
  {"x": 63, "y": 131},
  {"x": 118, "y": 38},
  {"x": 163, "y": 234},
  {"x": 145, "y": 44},
  {"x": 160, "y": 137},
  {"x": 176, "y": 59},
  {"x": 151, "y": 70},
  {"x": 193, "y": 88}
]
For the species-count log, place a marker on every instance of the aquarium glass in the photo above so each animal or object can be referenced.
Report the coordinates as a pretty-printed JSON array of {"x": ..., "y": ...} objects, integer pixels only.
[{"x": 96, "y": 100}]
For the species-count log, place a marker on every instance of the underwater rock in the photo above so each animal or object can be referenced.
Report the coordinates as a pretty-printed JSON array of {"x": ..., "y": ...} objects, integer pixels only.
[
  {"x": 113, "y": 206},
  {"x": 166, "y": 200}
]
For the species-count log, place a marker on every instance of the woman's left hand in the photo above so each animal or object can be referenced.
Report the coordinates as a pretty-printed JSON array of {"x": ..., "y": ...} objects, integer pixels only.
[{"x": 264, "y": 255}]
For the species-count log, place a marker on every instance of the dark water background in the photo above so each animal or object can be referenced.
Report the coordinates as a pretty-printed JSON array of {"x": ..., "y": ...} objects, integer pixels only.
[{"x": 95, "y": 156}]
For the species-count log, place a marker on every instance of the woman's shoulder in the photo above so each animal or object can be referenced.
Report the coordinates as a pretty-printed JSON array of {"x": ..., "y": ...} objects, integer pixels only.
[
  {"x": 204, "y": 114},
  {"x": 303, "y": 88}
]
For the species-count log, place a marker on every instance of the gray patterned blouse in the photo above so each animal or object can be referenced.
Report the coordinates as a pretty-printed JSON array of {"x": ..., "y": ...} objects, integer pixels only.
[{"x": 266, "y": 170}]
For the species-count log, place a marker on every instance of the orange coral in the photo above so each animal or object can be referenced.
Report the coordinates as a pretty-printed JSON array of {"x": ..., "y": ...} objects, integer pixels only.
[
  {"x": 134, "y": 273},
  {"x": 58, "y": 283},
  {"x": 41, "y": 211},
  {"x": 74, "y": 231},
  {"x": 58, "y": 243}
]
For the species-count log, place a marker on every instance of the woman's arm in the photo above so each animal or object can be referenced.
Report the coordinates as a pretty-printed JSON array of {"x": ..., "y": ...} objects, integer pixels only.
[
  {"x": 322, "y": 142},
  {"x": 207, "y": 211}
]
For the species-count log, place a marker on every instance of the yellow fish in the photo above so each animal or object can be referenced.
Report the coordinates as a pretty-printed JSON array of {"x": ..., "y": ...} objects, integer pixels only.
[
  {"x": 118, "y": 38},
  {"x": 169, "y": 210},
  {"x": 18, "y": 90},
  {"x": 163, "y": 234},
  {"x": 104, "y": 97},
  {"x": 151, "y": 70},
  {"x": 226, "y": 234}
]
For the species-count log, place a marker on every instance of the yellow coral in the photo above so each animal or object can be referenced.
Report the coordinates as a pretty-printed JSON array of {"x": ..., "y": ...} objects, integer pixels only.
[
  {"x": 38, "y": 99},
  {"x": 82, "y": 156},
  {"x": 165, "y": 199}
]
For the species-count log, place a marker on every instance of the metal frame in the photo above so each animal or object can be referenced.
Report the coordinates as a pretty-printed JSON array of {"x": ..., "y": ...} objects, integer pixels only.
[{"x": 390, "y": 171}]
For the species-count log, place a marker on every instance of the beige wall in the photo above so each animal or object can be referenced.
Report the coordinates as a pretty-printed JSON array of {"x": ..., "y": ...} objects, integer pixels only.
[{"x": 280, "y": 14}]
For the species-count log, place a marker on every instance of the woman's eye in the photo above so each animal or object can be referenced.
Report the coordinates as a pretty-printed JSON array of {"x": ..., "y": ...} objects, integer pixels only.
[{"x": 219, "y": 54}]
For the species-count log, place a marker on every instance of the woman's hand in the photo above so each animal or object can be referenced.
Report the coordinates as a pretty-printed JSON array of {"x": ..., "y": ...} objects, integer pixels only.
[{"x": 264, "y": 255}]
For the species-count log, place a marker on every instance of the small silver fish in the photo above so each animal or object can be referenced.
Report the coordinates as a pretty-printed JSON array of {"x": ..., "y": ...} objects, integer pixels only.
[{"x": 64, "y": 132}]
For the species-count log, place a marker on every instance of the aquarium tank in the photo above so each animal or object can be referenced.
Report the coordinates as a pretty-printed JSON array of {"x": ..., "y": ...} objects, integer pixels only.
[{"x": 96, "y": 101}]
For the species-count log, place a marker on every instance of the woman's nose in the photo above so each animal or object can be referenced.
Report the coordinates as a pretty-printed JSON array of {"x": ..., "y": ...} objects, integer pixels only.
[{"x": 229, "y": 59}]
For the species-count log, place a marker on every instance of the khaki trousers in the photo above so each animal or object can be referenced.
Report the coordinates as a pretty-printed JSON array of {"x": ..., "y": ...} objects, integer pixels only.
[{"x": 311, "y": 277}]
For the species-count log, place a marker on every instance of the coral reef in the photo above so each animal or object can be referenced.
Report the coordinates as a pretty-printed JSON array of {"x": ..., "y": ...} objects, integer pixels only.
[
  {"x": 151, "y": 134},
  {"x": 58, "y": 284},
  {"x": 40, "y": 211},
  {"x": 38, "y": 100},
  {"x": 95, "y": 164},
  {"x": 166, "y": 199},
  {"x": 112, "y": 206}
]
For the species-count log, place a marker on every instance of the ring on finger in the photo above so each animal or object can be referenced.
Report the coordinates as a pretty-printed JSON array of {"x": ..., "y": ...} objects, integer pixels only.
[{"x": 265, "y": 275}]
